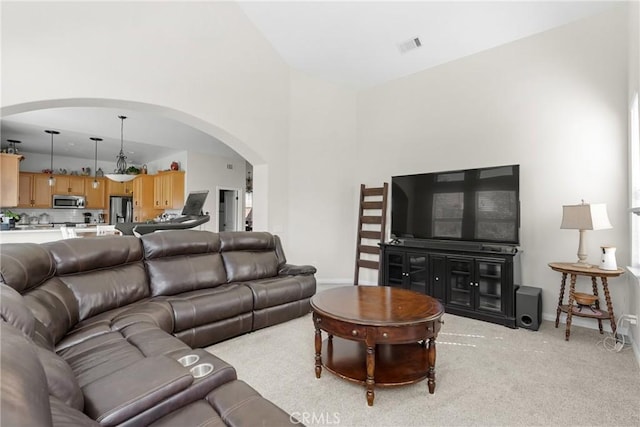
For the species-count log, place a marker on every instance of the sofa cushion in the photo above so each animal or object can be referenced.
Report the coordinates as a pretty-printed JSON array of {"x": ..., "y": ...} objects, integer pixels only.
[
  {"x": 102, "y": 272},
  {"x": 192, "y": 309},
  {"x": 98, "y": 351},
  {"x": 102, "y": 290},
  {"x": 184, "y": 273},
  {"x": 179, "y": 242},
  {"x": 93, "y": 253},
  {"x": 14, "y": 311},
  {"x": 55, "y": 306},
  {"x": 199, "y": 413},
  {"x": 247, "y": 241},
  {"x": 182, "y": 261},
  {"x": 25, "y": 265},
  {"x": 242, "y": 266},
  {"x": 60, "y": 379},
  {"x": 281, "y": 290},
  {"x": 24, "y": 396},
  {"x": 240, "y": 405},
  {"x": 139, "y": 386},
  {"x": 64, "y": 415}
]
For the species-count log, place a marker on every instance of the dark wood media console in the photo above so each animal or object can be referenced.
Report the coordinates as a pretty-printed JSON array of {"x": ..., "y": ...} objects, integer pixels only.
[{"x": 470, "y": 279}]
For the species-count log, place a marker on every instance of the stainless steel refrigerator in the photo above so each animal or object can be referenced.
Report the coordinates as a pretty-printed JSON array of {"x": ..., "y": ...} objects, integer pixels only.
[{"x": 120, "y": 209}]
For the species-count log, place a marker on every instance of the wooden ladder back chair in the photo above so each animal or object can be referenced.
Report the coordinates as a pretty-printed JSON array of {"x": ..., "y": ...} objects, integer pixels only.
[{"x": 372, "y": 218}]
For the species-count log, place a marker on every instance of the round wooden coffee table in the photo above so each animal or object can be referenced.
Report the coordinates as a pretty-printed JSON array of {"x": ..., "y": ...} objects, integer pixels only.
[{"x": 384, "y": 336}]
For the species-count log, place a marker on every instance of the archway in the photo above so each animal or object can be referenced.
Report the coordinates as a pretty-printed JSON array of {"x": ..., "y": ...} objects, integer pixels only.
[{"x": 260, "y": 168}]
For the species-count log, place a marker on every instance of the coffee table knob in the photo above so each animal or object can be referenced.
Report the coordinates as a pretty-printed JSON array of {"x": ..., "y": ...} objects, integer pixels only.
[
  {"x": 354, "y": 333},
  {"x": 385, "y": 335}
]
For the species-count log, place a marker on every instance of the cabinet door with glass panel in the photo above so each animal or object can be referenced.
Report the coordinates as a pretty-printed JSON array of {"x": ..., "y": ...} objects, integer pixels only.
[
  {"x": 460, "y": 281},
  {"x": 489, "y": 280},
  {"x": 407, "y": 270},
  {"x": 475, "y": 283}
]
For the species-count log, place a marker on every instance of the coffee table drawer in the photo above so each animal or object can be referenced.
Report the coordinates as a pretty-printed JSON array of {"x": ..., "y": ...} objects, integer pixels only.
[
  {"x": 404, "y": 334},
  {"x": 342, "y": 329}
]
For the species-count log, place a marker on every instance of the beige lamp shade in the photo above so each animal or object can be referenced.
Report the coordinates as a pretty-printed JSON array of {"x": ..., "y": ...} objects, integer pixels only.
[{"x": 585, "y": 217}]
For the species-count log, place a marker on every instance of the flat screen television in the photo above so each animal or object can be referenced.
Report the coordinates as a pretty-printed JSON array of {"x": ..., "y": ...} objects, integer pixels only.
[{"x": 472, "y": 205}]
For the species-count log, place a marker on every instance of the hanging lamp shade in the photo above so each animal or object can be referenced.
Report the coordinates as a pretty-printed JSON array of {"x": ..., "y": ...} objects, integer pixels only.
[
  {"x": 52, "y": 180},
  {"x": 120, "y": 174}
]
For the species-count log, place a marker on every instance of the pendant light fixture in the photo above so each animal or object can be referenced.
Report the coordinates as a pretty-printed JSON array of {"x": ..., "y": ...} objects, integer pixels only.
[
  {"x": 51, "y": 179},
  {"x": 120, "y": 174},
  {"x": 95, "y": 184}
]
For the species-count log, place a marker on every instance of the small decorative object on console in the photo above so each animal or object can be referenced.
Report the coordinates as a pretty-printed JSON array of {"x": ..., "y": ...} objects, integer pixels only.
[
  {"x": 175, "y": 166},
  {"x": 608, "y": 259}
]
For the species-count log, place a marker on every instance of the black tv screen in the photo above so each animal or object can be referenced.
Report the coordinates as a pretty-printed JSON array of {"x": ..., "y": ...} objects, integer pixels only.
[{"x": 476, "y": 205}]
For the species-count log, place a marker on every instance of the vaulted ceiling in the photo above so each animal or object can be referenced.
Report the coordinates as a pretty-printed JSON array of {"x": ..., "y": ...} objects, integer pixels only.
[{"x": 357, "y": 44}]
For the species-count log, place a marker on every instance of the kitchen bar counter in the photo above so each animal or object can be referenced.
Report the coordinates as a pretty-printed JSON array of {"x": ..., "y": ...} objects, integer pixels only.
[{"x": 40, "y": 233}]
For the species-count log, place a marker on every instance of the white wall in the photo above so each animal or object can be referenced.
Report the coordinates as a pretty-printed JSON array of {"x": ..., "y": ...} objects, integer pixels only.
[
  {"x": 322, "y": 218},
  {"x": 555, "y": 103},
  {"x": 207, "y": 172},
  {"x": 204, "y": 60},
  {"x": 634, "y": 87},
  {"x": 36, "y": 162}
]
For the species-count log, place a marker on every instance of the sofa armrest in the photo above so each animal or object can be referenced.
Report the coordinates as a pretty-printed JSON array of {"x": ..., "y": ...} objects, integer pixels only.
[
  {"x": 117, "y": 397},
  {"x": 294, "y": 270}
]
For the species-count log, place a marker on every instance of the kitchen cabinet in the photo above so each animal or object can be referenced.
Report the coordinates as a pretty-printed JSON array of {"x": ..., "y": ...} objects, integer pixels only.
[
  {"x": 9, "y": 179},
  {"x": 143, "y": 191},
  {"x": 119, "y": 188},
  {"x": 69, "y": 184},
  {"x": 168, "y": 190},
  {"x": 34, "y": 190},
  {"x": 143, "y": 198},
  {"x": 145, "y": 214},
  {"x": 96, "y": 197}
]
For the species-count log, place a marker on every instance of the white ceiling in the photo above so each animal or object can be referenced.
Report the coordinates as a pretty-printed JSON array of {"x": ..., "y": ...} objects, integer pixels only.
[
  {"x": 147, "y": 136},
  {"x": 355, "y": 43},
  {"x": 352, "y": 43}
]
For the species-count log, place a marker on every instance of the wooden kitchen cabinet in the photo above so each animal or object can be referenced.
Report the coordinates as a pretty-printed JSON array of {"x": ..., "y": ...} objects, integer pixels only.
[
  {"x": 145, "y": 214},
  {"x": 96, "y": 197},
  {"x": 9, "y": 179},
  {"x": 120, "y": 188},
  {"x": 69, "y": 184},
  {"x": 143, "y": 198},
  {"x": 143, "y": 195},
  {"x": 168, "y": 190},
  {"x": 34, "y": 190}
]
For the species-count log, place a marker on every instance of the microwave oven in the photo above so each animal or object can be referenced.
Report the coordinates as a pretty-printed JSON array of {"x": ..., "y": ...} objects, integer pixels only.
[{"x": 68, "y": 202}]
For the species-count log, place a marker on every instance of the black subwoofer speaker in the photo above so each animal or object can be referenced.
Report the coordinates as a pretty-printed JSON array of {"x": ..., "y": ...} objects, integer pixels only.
[{"x": 528, "y": 307}]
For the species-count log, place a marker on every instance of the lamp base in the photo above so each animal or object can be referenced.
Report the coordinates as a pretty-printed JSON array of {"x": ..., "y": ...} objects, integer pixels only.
[{"x": 583, "y": 264}]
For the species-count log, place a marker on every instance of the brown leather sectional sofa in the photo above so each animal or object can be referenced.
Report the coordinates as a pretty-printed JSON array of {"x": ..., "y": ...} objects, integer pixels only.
[{"x": 96, "y": 331}]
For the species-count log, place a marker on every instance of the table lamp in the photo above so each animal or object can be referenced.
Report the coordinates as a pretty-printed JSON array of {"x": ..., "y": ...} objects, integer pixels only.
[{"x": 584, "y": 217}]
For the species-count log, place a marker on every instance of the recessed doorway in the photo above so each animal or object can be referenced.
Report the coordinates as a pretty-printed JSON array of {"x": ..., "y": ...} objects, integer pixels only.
[{"x": 228, "y": 209}]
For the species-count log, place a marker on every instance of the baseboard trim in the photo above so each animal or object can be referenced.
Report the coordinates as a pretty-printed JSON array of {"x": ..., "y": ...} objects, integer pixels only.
[{"x": 343, "y": 282}]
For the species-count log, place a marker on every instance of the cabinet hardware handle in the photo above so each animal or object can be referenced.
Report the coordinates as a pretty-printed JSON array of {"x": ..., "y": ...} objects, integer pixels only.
[
  {"x": 354, "y": 333},
  {"x": 437, "y": 278},
  {"x": 385, "y": 335}
]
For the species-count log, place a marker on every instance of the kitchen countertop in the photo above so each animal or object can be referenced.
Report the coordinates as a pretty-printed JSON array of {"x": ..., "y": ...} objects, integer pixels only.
[
  {"x": 49, "y": 227},
  {"x": 41, "y": 233}
]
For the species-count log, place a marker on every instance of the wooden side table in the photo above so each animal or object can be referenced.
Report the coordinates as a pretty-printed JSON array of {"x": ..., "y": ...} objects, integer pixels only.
[{"x": 567, "y": 268}]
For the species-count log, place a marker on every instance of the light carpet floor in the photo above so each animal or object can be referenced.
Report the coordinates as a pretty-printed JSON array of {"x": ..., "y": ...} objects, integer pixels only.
[{"x": 486, "y": 375}]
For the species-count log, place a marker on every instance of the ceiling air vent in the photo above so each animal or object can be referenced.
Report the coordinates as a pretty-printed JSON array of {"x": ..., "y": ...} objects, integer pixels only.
[{"x": 408, "y": 45}]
